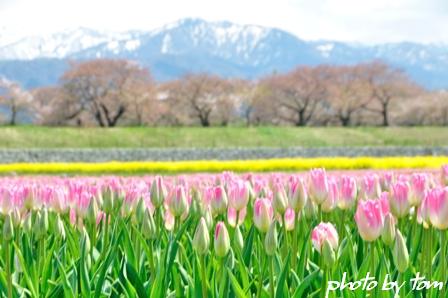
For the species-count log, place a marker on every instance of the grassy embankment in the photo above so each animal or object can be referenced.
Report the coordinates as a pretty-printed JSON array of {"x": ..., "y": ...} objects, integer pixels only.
[{"x": 219, "y": 137}]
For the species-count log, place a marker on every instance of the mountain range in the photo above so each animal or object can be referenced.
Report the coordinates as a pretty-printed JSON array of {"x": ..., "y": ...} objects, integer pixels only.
[{"x": 223, "y": 48}]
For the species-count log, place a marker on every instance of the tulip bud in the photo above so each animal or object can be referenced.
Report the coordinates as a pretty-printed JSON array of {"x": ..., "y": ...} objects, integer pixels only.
[
  {"x": 178, "y": 201},
  {"x": 297, "y": 195},
  {"x": 16, "y": 218},
  {"x": 85, "y": 240},
  {"x": 222, "y": 241},
  {"x": 140, "y": 210},
  {"x": 108, "y": 201},
  {"x": 60, "y": 229},
  {"x": 208, "y": 219},
  {"x": 92, "y": 212},
  {"x": 39, "y": 228},
  {"x": 8, "y": 228},
  {"x": 201, "y": 240},
  {"x": 388, "y": 233},
  {"x": 310, "y": 209},
  {"x": 28, "y": 223},
  {"x": 148, "y": 226},
  {"x": 328, "y": 254},
  {"x": 263, "y": 214},
  {"x": 219, "y": 200},
  {"x": 238, "y": 238},
  {"x": 158, "y": 192},
  {"x": 270, "y": 241},
  {"x": 280, "y": 202},
  {"x": 400, "y": 253}
]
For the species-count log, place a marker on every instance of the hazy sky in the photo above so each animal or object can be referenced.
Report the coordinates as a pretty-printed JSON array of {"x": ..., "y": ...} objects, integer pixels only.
[{"x": 368, "y": 21}]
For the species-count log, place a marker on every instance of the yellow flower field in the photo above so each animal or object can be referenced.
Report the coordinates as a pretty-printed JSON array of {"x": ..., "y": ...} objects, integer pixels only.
[{"x": 266, "y": 165}]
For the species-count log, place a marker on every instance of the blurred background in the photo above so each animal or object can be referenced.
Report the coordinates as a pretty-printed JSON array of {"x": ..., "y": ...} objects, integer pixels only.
[{"x": 284, "y": 74}]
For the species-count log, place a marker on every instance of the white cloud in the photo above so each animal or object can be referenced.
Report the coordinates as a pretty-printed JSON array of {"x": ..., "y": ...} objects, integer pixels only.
[{"x": 354, "y": 20}]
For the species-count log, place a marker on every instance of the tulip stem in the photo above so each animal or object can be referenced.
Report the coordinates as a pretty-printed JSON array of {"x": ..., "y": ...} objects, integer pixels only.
[
  {"x": 372, "y": 251},
  {"x": 295, "y": 231},
  {"x": 271, "y": 276},
  {"x": 8, "y": 267},
  {"x": 323, "y": 292},
  {"x": 204, "y": 276},
  {"x": 285, "y": 234},
  {"x": 429, "y": 253},
  {"x": 151, "y": 261},
  {"x": 106, "y": 231},
  {"x": 443, "y": 259}
]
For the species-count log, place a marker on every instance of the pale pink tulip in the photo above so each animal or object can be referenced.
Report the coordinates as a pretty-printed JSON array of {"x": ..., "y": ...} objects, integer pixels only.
[
  {"x": 178, "y": 202},
  {"x": 319, "y": 189},
  {"x": 239, "y": 194},
  {"x": 387, "y": 180},
  {"x": 348, "y": 193},
  {"x": 438, "y": 207},
  {"x": 297, "y": 194},
  {"x": 321, "y": 233},
  {"x": 371, "y": 186},
  {"x": 419, "y": 187},
  {"x": 219, "y": 200},
  {"x": 369, "y": 218},
  {"x": 263, "y": 214},
  {"x": 333, "y": 196},
  {"x": 399, "y": 199},
  {"x": 290, "y": 217}
]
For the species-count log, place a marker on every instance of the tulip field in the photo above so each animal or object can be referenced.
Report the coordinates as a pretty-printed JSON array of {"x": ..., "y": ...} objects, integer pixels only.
[{"x": 310, "y": 234}]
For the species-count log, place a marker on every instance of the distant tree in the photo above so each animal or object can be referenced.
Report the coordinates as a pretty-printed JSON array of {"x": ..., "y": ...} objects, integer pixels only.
[
  {"x": 298, "y": 93},
  {"x": 101, "y": 88},
  {"x": 387, "y": 84},
  {"x": 348, "y": 92},
  {"x": 198, "y": 95},
  {"x": 14, "y": 100}
]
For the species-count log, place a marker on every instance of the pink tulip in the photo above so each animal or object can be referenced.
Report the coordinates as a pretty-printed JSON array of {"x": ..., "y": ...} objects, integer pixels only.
[
  {"x": 263, "y": 214},
  {"x": 178, "y": 202},
  {"x": 333, "y": 196},
  {"x": 387, "y": 180},
  {"x": 239, "y": 194},
  {"x": 419, "y": 187},
  {"x": 371, "y": 186},
  {"x": 319, "y": 188},
  {"x": 369, "y": 218},
  {"x": 290, "y": 217},
  {"x": 219, "y": 200},
  {"x": 298, "y": 195},
  {"x": 321, "y": 233},
  {"x": 348, "y": 193},
  {"x": 399, "y": 199},
  {"x": 438, "y": 207},
  {"x": 222, "y": 240}
]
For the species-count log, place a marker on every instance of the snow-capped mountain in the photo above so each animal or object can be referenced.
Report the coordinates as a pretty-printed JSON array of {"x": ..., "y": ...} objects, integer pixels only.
[{"x": 224, "y": 48}]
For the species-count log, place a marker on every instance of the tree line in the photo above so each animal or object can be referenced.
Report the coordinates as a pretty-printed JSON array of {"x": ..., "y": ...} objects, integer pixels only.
[{"x": 111, "y": 92}]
